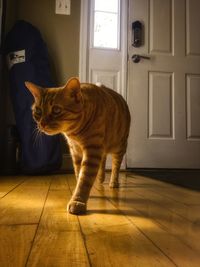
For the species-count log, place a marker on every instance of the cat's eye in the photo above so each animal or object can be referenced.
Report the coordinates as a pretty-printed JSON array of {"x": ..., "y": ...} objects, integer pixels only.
[
  {"x": 38, "y": 111},
  {"x": 56, "y": 110}
]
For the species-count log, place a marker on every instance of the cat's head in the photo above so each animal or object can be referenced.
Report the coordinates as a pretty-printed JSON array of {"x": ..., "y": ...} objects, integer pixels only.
[{"x": 55, "y": 109}]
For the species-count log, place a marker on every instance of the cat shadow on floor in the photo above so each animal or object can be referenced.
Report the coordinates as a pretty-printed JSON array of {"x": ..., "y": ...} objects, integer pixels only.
[{"x": 111, "y": 212}]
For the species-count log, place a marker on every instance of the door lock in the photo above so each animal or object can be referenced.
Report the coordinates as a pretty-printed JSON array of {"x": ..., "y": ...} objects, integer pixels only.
[{"x": 137, "y": 58}]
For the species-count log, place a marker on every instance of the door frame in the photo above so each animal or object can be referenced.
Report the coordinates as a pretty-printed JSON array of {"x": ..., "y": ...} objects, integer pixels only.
[{"x": 83, "y": 41}]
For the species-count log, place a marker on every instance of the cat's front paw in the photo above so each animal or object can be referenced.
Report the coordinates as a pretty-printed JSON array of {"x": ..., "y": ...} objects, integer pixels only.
[{"x": 76, "y": 207}]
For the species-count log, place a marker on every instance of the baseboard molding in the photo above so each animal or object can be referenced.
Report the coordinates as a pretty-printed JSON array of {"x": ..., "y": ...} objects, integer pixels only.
[{"x": 186, "y": 178}]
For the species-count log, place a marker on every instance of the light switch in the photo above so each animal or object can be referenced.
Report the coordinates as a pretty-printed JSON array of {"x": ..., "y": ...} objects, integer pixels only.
[{"x": 63, "y": 7}]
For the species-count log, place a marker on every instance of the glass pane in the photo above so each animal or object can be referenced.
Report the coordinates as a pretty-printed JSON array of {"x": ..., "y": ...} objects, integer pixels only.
[
  {"x": 105, "y": 30},
  {"x": 107, "y": 5}
]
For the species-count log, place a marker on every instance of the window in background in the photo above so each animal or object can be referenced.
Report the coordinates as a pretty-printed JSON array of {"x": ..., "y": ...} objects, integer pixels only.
[{"x": 106, "y": 24}]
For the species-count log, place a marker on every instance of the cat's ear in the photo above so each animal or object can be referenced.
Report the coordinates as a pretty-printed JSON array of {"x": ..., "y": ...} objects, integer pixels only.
[
  {"x": 73, "y": 89},
  {"x": 34, "y": 89}
]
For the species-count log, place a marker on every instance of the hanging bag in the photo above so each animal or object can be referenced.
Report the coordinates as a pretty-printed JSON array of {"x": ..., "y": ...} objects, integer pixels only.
[{"x": 28, "y": 61}]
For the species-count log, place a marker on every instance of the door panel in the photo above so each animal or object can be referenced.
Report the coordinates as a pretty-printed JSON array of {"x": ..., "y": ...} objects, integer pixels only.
[
  {"x": 193, "y": 22},
  {"x": 164, "y": 92},
  {"x": 160, "y": 105},
  {"x": 108, "y": 77},
  {"x": 193, "y": 107},
  {"x": 161, "y": 21}
]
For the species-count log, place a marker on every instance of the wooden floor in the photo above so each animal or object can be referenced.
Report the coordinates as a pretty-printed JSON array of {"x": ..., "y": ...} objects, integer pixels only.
[{"x": 144, "y": 223}]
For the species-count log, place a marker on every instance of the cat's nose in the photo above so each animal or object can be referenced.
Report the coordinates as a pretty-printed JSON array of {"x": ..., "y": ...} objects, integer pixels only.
[{"x": 43, "y": 123}]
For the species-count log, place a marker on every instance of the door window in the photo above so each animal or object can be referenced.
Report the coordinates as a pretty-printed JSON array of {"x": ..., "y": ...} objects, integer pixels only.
[{"x": 106, "y": 22}]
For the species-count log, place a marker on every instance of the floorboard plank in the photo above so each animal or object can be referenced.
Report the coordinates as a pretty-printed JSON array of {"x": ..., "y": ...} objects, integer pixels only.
[
  {"x": 15, "y": 244},
  {"x": 112, "y": 240},
  {"x": 24, "y": 204},
  {"x": 58, "y": 241},
  {"x": 177, "y": 193},
  {"x": 9, "y": 183}
]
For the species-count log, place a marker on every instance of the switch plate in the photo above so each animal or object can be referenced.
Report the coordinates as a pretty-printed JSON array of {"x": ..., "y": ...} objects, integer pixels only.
[{"x": 63, "y": 7}]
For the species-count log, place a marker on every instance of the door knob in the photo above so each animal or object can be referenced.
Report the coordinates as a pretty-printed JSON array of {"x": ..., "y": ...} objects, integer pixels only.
[{"x": 137, "y": 58}]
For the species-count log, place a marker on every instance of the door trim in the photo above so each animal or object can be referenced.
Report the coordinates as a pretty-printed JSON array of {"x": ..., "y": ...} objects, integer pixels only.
[{"x": 83, "y": 41}]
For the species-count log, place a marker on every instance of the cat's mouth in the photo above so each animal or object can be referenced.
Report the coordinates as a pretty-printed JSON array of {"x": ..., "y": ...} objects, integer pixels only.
[{"x": 49, "y": 131}]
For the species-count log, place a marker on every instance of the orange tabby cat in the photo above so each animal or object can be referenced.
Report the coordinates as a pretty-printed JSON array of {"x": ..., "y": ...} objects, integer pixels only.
[{"x": 95, "y": 121}]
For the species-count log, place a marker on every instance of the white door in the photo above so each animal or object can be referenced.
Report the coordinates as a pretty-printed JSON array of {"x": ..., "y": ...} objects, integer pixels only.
[
  {"x": 103, "y": 45},
  {"x": 164, "y": 92}
]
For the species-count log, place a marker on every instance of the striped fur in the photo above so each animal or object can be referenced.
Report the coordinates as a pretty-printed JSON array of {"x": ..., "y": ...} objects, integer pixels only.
[{"x": 95, "y": 121}]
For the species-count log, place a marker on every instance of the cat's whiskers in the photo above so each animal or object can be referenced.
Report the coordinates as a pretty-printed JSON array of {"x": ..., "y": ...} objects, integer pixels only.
[{"x": 37, "y": 135}]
